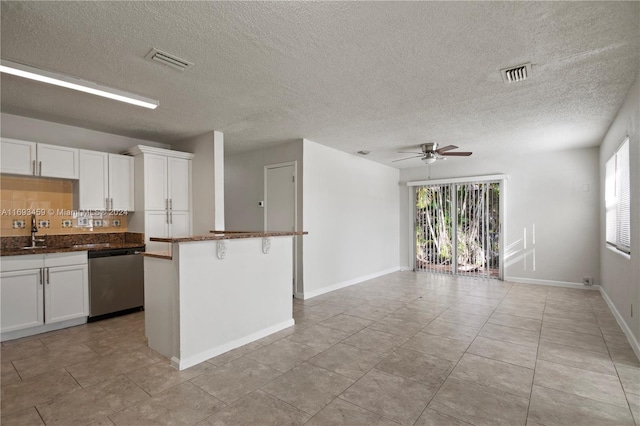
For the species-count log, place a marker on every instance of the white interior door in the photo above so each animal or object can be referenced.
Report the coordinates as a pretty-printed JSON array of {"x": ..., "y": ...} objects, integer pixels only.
[
  {"x": 280, "y": 199},
  {"x": 280, "y": 203}
]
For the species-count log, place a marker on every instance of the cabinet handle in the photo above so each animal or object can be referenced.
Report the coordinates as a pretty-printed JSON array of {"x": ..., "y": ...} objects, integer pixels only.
[
  {"x": 40, "y": 166},
  {"x": 48, "y": 282},
  {"x": 170, "y": 217},
  {"x": 41, "y": 276},
  {"x": 170, "y": 203},
  {"x": 111, "y": 203},
  {"x": 34, "y": 167},
  {"x": 167, "y": 220},
  {"x": 166, "y": 204}
]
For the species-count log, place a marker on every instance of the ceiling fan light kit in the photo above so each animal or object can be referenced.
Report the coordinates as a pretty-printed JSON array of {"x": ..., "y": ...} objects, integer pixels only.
[{"x": 430, "y": 153}]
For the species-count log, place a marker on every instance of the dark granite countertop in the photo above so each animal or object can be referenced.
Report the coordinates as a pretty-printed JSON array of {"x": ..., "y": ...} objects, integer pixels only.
[
  {"x": 226, "y": 235},
  {"x": 75, "y": 247},
  {"x": 13, "y": 246}
]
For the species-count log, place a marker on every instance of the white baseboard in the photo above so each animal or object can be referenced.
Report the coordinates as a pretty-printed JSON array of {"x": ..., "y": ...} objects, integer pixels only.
[
  {"x": 338, "y": 286},
  {"x": 181, "y": 364},
  {"x": 622, "y": 323},
  {"x": 566, "y": 284},
  {"x": 406, "y": 268}
]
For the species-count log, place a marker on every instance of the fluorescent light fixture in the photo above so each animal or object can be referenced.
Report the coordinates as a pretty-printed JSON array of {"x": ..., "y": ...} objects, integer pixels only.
[{"x": 61, "y": 80}]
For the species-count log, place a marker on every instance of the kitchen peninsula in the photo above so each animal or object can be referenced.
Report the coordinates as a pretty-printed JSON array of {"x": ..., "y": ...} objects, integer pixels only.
[{"x": 216, "y": 292}]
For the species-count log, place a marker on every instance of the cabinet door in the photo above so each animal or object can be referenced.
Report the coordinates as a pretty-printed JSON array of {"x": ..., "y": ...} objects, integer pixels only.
[
  {"x": 156, "y": 225},
  {"x": 21, "y": 298},
  {"x": 17, "y": 157},
  {"x": 179, "y": 183},
  {"x": 180, "y": 224},
  {"x": 121, "y": 182},
  {"x": 155, "y": 182},
  {"x": 58, "y": 161},
  {"x": 66, "y": 293},
  {"x": 93, "y": 185}
]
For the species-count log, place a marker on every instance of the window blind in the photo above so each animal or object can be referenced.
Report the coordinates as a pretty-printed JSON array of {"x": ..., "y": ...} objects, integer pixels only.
[
  {"x": 618, "y": 199},
  {"x": 623, "y": 192}
]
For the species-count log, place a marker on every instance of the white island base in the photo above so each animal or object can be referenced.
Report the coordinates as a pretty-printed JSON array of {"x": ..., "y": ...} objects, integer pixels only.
[{"x": 213, "y": 296}]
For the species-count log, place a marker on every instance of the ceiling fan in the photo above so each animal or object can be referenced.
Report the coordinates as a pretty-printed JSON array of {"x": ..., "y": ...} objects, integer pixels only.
[{"x": 430, "y": 153}]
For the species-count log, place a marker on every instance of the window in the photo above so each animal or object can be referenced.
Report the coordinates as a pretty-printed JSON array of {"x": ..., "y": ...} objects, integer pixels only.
[{"x": 618, "y": 199}]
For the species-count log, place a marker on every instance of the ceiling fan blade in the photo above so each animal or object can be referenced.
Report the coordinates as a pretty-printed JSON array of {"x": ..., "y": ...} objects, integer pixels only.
[
  {"x": 457, "y": 154},
  {"x": 446, "y": 148},
  {"x": 408, "y": 158},
  {"x": 409, "y": 152}
]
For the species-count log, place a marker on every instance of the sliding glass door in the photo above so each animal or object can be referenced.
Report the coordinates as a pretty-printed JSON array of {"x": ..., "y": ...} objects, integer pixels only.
[{"x": 458, "y": 228}]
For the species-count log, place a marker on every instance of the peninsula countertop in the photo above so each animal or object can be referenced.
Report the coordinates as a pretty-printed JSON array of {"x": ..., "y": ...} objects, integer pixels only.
[
  {"x": 228, "y": 235},
  {"x": 214, "y": 236}
]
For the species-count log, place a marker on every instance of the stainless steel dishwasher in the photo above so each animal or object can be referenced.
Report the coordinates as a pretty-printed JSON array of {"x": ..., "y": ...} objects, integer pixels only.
[{"x": 116, "y": 281}]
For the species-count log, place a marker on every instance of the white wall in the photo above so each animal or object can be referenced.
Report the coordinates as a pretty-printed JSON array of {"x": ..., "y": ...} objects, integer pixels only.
[
  {"x": 207, "y": 190},
  {"x": 557, "y": 192},
  {"x": 244, "y": 187},
  {"x": 620, "y": 275},
  {"x": 351, "y": 214},
  {"x": 31, "y": 129}
]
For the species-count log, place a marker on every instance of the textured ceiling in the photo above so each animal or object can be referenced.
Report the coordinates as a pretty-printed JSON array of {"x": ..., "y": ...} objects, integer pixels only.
[{"x": 380, "y": 76}]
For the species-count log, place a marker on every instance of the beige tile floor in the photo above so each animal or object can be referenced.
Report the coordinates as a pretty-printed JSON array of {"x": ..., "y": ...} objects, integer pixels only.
[{"x": 406, "y": 348}]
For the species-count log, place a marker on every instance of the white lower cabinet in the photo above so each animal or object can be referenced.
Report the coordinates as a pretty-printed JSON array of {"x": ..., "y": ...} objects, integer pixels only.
[
  {"x": 43, "y": 292},
  {"x": 66, "y": 293},
  {"x": 166, "y": 224},
  {"x": 22, "y": 299},
  {"x": 179, "y": 224}
]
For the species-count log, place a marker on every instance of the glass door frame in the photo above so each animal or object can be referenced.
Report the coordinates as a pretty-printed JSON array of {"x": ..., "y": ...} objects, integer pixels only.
[{"x": 500, "y": 178}]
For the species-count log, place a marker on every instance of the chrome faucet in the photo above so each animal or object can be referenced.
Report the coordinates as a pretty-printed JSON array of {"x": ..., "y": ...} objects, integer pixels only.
[{"x": 34, "y": 229}]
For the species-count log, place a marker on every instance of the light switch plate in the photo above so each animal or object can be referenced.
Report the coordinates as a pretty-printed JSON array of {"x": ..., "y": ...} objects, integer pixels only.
[{"x": 83, "y": 221}]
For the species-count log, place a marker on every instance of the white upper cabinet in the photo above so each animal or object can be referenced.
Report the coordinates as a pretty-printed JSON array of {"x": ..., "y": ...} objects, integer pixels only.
[
  {"x": 121, "y": 182},
  {"x": 163, "y": 188},
  {"x": 165, "y": 178},
  {"x": 18, "y": 157},
  {"x": 178, "y": 181},
  {"x": 155, "y": 182},
  {"x": 106, "y": 181},
  {"x": 58, "y": 161},
  {"x": 94, "y": 185},
  {"x": 38, "y": 159}
]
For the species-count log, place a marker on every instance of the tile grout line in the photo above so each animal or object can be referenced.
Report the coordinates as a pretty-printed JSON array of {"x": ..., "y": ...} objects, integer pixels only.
[
  {"x": 449, "y": 375},
  {"x": 535, "y": 366}
]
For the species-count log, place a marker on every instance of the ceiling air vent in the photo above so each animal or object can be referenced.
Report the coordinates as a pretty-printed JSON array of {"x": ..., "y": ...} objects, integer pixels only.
[
  {"x": 516, "y": 74},
  {"x": 168, "y": 59}
]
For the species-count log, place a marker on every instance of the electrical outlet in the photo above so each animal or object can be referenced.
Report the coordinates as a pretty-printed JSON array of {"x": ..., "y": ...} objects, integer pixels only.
[
  {"x": 97, "y": 223},
  {"x": 18, "y": 224},
  {"x": 66, "y": 223},
  {"x": 587, "y": 281},
  {"x": 116, "y": 223},
  {"x": 44, "y": 224}
]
